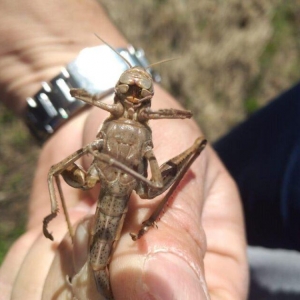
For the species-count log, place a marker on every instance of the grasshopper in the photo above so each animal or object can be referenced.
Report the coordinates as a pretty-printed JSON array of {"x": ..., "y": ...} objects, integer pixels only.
[{"x": 121, "y": 152}]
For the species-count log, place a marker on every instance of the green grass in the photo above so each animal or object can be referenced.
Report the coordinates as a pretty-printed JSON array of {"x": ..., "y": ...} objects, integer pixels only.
[
  {"x": 16, "y": 172},
  {"x": 6, "y": 117},
  {"x": 284, "y": 31},
  {"x": 9, "y": 237},
  {"x": 251, "y": 105}
]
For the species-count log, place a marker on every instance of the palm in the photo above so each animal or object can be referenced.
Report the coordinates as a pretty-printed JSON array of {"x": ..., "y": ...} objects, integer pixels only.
[{"x": 165, "y": 262}]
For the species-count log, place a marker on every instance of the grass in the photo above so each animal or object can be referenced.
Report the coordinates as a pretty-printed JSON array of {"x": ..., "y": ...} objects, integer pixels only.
[
  {"x": 8, "y": 236},
  {"x": 281, "y": 54},
  {"x": 17, "y": 161}
]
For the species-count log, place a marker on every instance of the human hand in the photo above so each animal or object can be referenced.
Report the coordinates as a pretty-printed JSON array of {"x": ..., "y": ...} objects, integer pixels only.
[{"x": 198, "y": 249}]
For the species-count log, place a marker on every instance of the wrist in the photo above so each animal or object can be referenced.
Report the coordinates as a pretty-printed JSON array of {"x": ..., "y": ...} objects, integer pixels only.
[{"x": 38, "y": 50}]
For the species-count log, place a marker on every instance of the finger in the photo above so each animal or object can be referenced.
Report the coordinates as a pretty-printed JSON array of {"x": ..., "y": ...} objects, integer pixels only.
[
  {"x": 29, "y": 282},
  {"x": 13, "y": 260},
  {"x": 166, "y": 263},
  {"x": 225, "y": 260},
  {"x": 70, "y": 273}
]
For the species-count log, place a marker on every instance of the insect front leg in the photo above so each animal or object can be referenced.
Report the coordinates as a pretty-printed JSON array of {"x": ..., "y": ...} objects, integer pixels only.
[
  {"x": 172, "y": 172},
  {"x": 74, "y": 176}
]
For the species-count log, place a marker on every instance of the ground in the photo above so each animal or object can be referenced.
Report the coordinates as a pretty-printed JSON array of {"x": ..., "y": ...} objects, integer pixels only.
[{"x": 233, "y": 57}]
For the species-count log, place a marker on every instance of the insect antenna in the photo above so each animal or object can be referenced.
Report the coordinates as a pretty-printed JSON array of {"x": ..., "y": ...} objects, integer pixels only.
[
  {"x": 161, "y": 62},
  {"x": 126, "y": 61}
]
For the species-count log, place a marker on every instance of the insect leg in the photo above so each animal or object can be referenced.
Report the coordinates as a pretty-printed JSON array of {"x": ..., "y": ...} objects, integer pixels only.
[
  {"x": 172, "y": 172},
  {"x": 95, "y": 100},
  {"x": 168, "y": 113},
  {"x": 54, "y": 173}
]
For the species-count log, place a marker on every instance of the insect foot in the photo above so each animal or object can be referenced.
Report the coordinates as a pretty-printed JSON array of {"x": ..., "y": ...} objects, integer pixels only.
[
  {"x": 46, "y": 221},
  {"x": 200, "y": 144},
  {"x": 146, "y": 226}
]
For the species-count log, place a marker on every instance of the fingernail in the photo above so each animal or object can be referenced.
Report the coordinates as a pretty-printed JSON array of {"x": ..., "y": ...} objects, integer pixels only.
[{"x": 167, "y": 276}]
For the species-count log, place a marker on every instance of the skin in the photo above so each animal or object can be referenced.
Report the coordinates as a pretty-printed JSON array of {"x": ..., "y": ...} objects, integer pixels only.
[{"x": 199, "y": 247}]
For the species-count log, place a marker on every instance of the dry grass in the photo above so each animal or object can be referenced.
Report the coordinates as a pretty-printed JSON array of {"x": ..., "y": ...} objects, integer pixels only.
[
  {"x": 233, "y": 54},
  {"x": 234, "y": 57}
]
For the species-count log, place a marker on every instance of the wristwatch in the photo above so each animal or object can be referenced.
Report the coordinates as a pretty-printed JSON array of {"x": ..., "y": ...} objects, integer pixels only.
[{"x": 96, "y": 69}]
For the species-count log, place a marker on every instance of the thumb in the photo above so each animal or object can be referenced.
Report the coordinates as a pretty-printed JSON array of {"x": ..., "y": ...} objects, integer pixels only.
[{"x": 168, "y": 276}]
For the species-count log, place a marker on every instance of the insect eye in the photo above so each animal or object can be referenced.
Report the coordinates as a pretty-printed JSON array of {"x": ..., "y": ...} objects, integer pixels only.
[
  {"x": 126, "y": 78},
  {"x": 144, "y": 83}
]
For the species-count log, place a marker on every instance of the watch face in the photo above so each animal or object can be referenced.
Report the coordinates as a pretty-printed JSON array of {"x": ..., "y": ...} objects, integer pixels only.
[{"x": 97, "y": 69}]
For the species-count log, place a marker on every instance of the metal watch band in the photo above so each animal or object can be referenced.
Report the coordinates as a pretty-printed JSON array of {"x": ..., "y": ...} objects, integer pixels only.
[{"x": 96, "y": 69}]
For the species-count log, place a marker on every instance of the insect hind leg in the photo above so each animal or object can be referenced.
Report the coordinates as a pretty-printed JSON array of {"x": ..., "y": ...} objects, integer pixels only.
[
  {"x": 173, "y": 168},
  {"x": 172, "y": 172}
]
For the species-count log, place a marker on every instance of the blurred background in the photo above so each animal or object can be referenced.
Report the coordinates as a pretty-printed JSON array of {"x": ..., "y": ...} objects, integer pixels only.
[{"x": 234, "y": 57}]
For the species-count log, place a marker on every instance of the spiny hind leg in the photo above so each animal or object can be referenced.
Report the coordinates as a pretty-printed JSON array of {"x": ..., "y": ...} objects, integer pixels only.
[
  {"x": 172, "y": 168},
  {"x": 172, "y": 172}
]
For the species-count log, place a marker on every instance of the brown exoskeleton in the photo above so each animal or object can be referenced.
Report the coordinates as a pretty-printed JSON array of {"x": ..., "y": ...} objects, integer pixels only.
[{"x": 121, "y": 152}]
